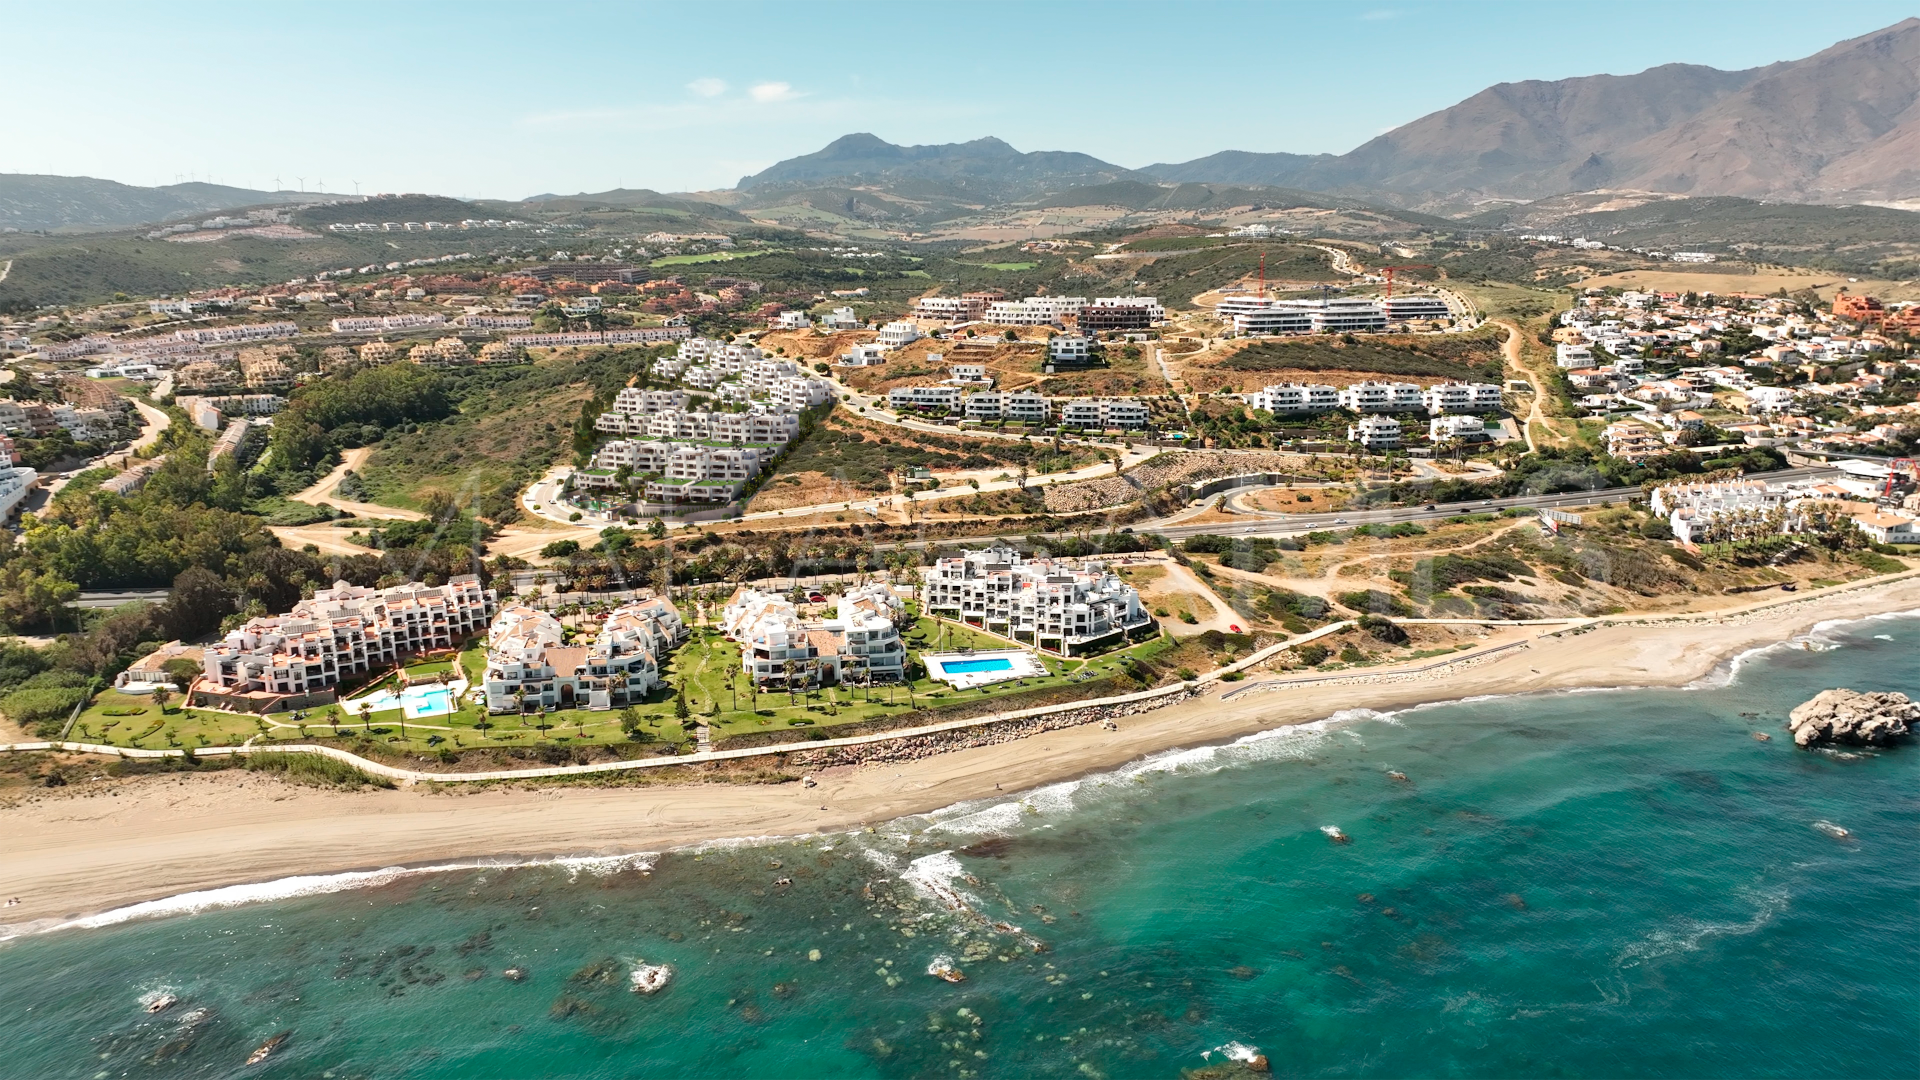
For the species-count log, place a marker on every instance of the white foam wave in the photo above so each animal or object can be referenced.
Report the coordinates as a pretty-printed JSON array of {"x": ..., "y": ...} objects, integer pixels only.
[
  {"x": 1692, "y": 932},
  {"x": 1822, "y": 636},
  {"x": 288, "y": 888},
  {"x": 932, "y": 876}
]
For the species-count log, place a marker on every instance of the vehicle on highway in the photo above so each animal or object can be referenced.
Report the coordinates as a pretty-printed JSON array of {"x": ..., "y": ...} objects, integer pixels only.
[
  {"x": 1339, "y": 521},
  {"x": 1429, "y": 506}
]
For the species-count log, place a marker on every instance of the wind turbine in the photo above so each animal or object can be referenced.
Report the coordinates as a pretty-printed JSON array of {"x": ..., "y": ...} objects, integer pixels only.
[
  {"x": 303, "y": 182},
  {"x": 356, "y": 189},
  {"x": 277, "y": 186}
]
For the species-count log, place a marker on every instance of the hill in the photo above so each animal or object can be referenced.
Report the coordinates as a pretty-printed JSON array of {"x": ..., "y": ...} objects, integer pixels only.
[
  {"x": 29, "y": 201},
  {"x": 988, "y": 167},
  {"x": 1841, "y": 125}
]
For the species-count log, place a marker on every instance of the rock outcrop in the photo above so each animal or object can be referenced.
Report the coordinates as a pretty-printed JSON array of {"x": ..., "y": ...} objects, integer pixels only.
[{"x": 1847, "y": 716}]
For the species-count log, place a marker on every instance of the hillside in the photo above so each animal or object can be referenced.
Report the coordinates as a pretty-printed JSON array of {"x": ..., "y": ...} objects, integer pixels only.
[
  {"x": 987, "y": 166},
  {"x": 75, "y": 203},
  {"x": 1841, "y": 125}
]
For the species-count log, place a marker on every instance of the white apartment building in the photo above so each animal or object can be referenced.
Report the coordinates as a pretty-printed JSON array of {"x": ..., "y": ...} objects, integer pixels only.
[
  {"x": 899, "y": 332},
  {"x": 870, "y": 354},
  {"x": 245, "y": 332},
  {"x": 528, "y": 664},
  {"x": 1053, "y": 605},
  {"x": 634, "y": 401},
  {"x": 1069, "y": 348},
  {"x": 1464, "y": 428},
  {"x": 1104, "y": 413},
  {"x": 947, "y": 308},
  {"x": 841, "y": 318},
  {"x": 924, "y": 397},
  {"x": 1382, "y": 397},
  {"x": 1376, "y": 433},
  {"x": 798, "y": 393},
  {"x": 861, "y": 643},
  {"x": 1021, "y": 313},
  {"x": 1415, "y": 306},
  {"x": 1569, "y": 354},
  {"x": 1252, "y": 316},
  {"x": 968, "y": 374},
  {"x": 790, "y": 320},
  {"x": 16, "y": 483},
  {"x": 1281, "y": 399},
  {"x": 345, "y": 630},
  {"x": 383, "y": 324},
  {"x": 1024, "y": 406},
  {"x": 1459, "y": 397}
]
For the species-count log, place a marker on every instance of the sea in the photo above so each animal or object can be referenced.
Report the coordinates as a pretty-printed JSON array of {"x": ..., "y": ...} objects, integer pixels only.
[{"x": 1621, "y": 883}]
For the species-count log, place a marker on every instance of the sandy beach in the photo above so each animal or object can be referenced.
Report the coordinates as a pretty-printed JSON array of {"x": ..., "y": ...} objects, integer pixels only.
[{"x": 70, "y": 854}]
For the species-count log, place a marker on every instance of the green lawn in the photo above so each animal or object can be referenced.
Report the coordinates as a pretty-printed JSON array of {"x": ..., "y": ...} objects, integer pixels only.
[
  {"x": 712, "y": 256},
  {"x": 705, "y": 666}
]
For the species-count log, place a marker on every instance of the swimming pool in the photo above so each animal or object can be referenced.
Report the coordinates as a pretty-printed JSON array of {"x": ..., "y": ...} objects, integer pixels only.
[
  {"x": 968, "y": 667},
  {"x": 414, "y": 702}
]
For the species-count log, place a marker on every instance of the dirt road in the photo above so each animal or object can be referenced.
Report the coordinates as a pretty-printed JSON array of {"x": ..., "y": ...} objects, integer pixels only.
[{"x": 351, "y": 461}]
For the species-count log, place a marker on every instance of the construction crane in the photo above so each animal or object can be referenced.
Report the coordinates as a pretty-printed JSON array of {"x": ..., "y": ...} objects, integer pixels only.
[
  {"x": 1894, "y": 469},
  {"x": 1388, "y": 270}
]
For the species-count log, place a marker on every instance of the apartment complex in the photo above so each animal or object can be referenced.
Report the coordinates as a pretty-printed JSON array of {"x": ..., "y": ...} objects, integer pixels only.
[
  {"x": 1055, "y": 606},
  {"x": 861, "y": 643},
  {"x": 343, "y": 631},
  {"x": 528, "y": 663},
  {"x": 1260, "y": 315}
]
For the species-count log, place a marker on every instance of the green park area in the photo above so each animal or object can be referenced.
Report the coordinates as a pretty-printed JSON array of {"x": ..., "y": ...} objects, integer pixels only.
[{"x": 706, "y": 669}]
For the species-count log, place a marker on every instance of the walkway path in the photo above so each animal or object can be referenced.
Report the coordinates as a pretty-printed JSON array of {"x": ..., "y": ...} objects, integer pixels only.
[{"x": 351, "y": 461}]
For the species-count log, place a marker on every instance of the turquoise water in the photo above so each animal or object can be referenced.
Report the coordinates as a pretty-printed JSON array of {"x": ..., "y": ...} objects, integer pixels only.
[
  {"x": 1600, "y": 884},
  {"x": 966, "y": 667}
]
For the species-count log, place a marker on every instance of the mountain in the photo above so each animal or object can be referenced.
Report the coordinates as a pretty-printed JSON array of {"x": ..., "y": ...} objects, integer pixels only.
[
  {"x": 1841, "y": 125},
  {"x": 987, "y": 167},
  {"x": 30, "y": 201}
]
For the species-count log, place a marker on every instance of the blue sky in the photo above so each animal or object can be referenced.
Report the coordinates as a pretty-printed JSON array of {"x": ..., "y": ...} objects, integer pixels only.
[{"x": 505, "y": 100}]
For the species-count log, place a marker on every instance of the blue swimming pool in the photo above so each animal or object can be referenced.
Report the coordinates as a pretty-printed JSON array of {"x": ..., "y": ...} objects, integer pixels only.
[{"x": 967, "y": 667}]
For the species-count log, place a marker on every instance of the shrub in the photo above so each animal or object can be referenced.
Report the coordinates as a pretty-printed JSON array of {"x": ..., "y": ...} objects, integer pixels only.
[
  {"x": 318, "y": 770},
  {"x": 560, "y": 549},
  {"x": 1374, "y": 601},
  {"x": 1312, "y": 654},
  {"x": 1385, "y": 630}
]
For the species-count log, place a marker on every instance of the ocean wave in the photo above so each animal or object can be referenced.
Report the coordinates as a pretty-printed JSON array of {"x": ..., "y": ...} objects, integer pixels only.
[
  {"x": 1822, "y": 636},
  {"x": 288, "y": 888}
]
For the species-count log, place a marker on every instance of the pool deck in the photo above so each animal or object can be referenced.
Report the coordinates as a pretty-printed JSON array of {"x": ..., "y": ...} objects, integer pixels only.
[{"x": 1021, "y": 664}]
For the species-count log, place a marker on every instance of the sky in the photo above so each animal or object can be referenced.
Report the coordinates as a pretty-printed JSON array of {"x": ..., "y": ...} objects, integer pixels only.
[{"x": 506, "y": 100}]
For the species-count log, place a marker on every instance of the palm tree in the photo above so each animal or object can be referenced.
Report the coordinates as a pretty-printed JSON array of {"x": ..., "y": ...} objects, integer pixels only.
[
  {"x": 790, "y": 666},
  {"x": 733, "y": 689},
  {"x": 366, "y": 716},
  {"x": 162, "y": 695}
]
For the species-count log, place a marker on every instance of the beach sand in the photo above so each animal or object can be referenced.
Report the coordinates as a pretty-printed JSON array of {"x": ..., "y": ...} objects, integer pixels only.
[{"x": 71, "y": 854}]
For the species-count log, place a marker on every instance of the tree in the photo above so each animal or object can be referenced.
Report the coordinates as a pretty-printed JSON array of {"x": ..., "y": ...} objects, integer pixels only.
[
  {"x": 681, "y": 710},
  {"x": 366, "y": 716},
  {"x": 162, "y": 695},
  {"x": 733, "y": 689},
  {"x": 629, "y": 720},
  {"x": 790, "y": 668}
]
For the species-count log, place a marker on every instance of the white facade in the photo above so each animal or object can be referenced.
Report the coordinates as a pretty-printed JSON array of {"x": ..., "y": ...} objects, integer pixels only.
[
  {"x": 1382, "y": 397},
  {"x": 1281, "y": 399},
  {"x": 872, "y": 354},
  {"x": 1104, "y": 413},
  {"x": 1021, "y": 405},
  {"x": 1465, "y": 428},
  {"x": 1457, "y": 397},
  {"x": 899, "y": 332},
  {"x": 1069, "y": 348},
  {"x": 862, "y": 643},
  {"x": 1376, "y": 433},
  {"x": 1253, "y": 316},
  {"x": 924, "y": 397},
  {"x": 527, "y": 664},
  {"x": 1416, "y": 306}
]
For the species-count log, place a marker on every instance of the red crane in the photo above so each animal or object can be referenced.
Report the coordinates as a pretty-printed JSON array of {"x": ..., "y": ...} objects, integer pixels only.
[
  {"x": 1388, "y": 270},
  {"x": 1895, "y": 467}
]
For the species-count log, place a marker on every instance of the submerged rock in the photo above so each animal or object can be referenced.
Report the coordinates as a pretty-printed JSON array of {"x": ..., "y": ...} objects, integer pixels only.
[{"x": 1847, "y": 716}]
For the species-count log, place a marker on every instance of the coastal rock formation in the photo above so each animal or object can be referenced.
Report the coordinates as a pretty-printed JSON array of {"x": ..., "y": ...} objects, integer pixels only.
[{"x": 1847, "y": 716}]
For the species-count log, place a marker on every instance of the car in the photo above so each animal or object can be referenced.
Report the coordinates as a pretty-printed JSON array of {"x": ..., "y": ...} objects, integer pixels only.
[
  {"x": 1235, "y": 627},
  {"x": 816, "y": 598},
  {"x": 1429, "y": 506},
  {"x": 1339, "y": 521},
  {"x": 1487, "y": 502}
]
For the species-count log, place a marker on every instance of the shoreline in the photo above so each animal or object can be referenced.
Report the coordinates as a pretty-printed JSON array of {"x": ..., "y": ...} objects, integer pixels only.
[{"x": 76, "y": 857}]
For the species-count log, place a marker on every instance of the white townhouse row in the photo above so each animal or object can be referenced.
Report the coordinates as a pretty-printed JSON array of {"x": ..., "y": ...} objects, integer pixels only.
[
  {"x": 1055, "y": 606},
  {"x": 861, "y": 644},
  {"x": 1441, "y": 399},
  {"x": 342, "y": 631},
  {"x": 244, "y": 332},
  {"x": 1021, "y": 405},
  {"x": 676, "y": 472},
  {"x": 529, "y": 664},
  {"x": 381, "y": 324},
  {"x": 494, "y": 321},
  {"x": 648, "y": 335}
]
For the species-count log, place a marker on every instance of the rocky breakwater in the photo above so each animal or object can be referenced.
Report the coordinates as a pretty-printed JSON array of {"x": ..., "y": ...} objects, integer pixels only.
[{"x": 1853, "y": 717}]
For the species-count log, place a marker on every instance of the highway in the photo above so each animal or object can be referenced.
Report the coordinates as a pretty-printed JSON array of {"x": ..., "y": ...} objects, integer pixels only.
[{"x": 113, "y": 598}]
